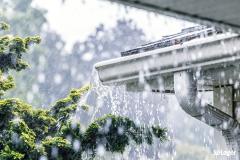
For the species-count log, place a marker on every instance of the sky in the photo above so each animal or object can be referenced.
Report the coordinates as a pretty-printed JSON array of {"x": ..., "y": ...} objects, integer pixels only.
[{"x": 74, "y": 20}]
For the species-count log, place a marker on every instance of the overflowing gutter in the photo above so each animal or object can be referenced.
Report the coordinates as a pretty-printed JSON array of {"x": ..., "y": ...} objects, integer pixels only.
[
  {"x": 207, "y": 53},
  {"x": 196, "y": 60}
]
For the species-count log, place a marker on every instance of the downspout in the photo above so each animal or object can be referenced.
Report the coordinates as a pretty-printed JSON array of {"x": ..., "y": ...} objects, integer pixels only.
[{"x": 185, "y": 86}]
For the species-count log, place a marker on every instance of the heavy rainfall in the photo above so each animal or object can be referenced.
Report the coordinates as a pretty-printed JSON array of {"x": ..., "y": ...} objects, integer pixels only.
[{"x": 128, "y": 89}]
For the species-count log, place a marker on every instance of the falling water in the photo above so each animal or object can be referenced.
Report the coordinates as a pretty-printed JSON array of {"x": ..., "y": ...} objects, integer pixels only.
[
  {"x": 143, "y": 108},
  {"x": 147, "y": 108}
]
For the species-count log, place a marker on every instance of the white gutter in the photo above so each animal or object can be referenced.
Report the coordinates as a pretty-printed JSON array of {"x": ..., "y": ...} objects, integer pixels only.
[{"x": 205, "y": 52}]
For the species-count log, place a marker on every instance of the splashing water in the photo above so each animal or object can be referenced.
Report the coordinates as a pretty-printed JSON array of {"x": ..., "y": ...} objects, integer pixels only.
[
  {"x": 143, "y": 108},
  {"x": 147, "y": 108}
]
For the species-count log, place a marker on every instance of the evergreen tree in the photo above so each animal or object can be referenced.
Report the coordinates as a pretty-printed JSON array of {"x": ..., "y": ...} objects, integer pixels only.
[
  {"x": 29, "y": 134},
  {"x": 29, "y": 20}
]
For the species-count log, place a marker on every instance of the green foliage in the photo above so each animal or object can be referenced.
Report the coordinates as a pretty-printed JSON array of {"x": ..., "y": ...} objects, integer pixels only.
[
  {"x": 41, "y": 122},
  {"x": 159, "y": 132},
  {"x": 5, "y": 84},
  {"x": 4, "y": 26},
  {"x": 64, "y": 107},
  {"x": 8, "y": 154},
  {"x": 114, "y": 133},
  {"x": 11, "y": 50},
  {"x": 27, "y": 133},
  {"x": 63, "y": 148}
]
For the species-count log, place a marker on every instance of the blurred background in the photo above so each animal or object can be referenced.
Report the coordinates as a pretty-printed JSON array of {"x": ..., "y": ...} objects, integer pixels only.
[{"x": 78, "y": 33}]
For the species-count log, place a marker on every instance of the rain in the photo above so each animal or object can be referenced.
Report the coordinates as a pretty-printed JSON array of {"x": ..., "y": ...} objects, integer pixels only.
[{"x": 152, "y": 68}]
